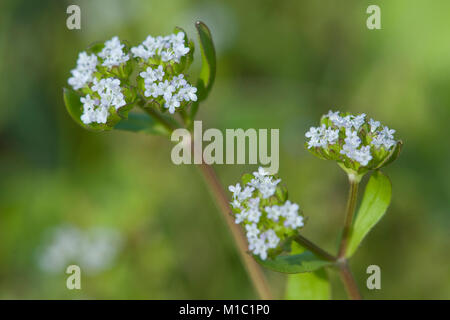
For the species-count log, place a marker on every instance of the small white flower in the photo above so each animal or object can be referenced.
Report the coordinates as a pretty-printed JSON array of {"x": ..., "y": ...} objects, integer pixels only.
[
  {"x": 82, "y": 74},
  {"x": 235, "y": 204},
  {"x": 290, "y": 212},
  {"x": 153, "y": 90},
  {"x": 235, "y": 190},
  {"x": 271, "y": 238},
  {"x": 246, "y": 193},
  {"x": 261, "y": 173},
  {"x": 152, "y": 75},
  {"x": 258, "y": 247},
  {"x": 253, "y": 212},
  {"x": 273, "y": 212},
  {"x": 97, "y": 110},
  {"x": 384, "y": 138},
  {"x": 168, "y": 48},
  {"x": 252, "y": 230},
  {"x": 112, "y": 54},
  {"x": 332, "y": 135},
  {"x": 333, "y": 116},
  {"x": 358, "y": 121},
  {"x": 241, "y": 217},
  {"x": 373, "y": 125}
]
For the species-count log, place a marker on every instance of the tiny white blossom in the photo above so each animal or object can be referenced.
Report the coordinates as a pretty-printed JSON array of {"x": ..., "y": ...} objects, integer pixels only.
[
  {"x": 241, "y": 217},
  {"x": 97, "y": 110},
  {"x": 290, "y": 212},
  {"x": 252, "y": 230},
  {"x": 373, "y": 125},
  {"x": 253, "y": 213},
  {"x": 235, "y": 190},
  {"x": 112, "y": 54},
  {"x": 273, "y": 212},
  {"x": 258, "y": 247},
  {"x": 168, "y": 48},
  {"x": 152, "y": 75},
  {"x": 82, "y": 74},
  {"x": 271, "y": 238},
  {"x": 235, "y": 204},
  {"x": 358, "y": 121},
  {"x": 384, "y": 138}
]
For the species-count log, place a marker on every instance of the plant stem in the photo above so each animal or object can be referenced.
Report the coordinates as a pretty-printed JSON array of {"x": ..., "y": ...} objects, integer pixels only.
[
  {"x": 254, "y": 270},
  {"x": 351, "y": 204},
  {"x": 157, "y": 116},
  {"x": 349, "y": 282},
  {"x": 344, "y": 269},
  {"x": 314, "y": 248}
]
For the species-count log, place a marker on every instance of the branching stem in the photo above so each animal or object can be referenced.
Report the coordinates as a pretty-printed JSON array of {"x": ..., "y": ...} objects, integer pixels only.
[{"x": 254, "y": 270}]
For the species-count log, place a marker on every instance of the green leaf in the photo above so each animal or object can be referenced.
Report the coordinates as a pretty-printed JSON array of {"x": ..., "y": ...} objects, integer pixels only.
[
  {"x": 75, "y": 109},
  {"x": 375, "y": 202},
  {"x": 308, "y": 286},
  {"x": 298, "y": 263},
  {"x": 208, "y": 69},
  {"x": 141, "y": 122},
  {"x": 393, "y": 155}
]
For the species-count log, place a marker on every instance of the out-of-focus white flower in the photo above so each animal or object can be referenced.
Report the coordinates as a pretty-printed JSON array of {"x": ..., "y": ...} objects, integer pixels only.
[
  {"x": 94, "y": 250},
  {"x": 82, "y": 74}
]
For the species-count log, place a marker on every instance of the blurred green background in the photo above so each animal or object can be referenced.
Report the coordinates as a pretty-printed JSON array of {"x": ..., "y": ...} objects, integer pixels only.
[{"x": 281, "y": 64}]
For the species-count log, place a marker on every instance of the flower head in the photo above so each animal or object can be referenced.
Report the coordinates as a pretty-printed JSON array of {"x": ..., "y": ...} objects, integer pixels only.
[
  {"x": 105, "y": 81},
  {"x": 260, "y": 206},
  {"x": 169, "y": 48},
  {"x": 83, "y": 73},
  {"x": 113, "y": 54},
  {"x": 108, "y": 93},
  {"x": 171, "y": 92},
  {"x": 357, "y": 143}
]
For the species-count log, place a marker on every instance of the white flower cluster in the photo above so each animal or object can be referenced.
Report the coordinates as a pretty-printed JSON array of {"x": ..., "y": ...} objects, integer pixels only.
[
  {"x": 261, "y": 220},
  {"x": 173, "y": 91},
  {"x": 82, "y": 74},
  {"x": 321, "y": 136},
  {"x": 168, "y": 48},
  {"x": 112, "y": 54},
  {"x": 288, "y": 211},
  {"x": 264, "y": 183},
  {"x": 351, "y": 127},
  {"x": 93, "y": 250},
  {"x": 97, "y": 110}
]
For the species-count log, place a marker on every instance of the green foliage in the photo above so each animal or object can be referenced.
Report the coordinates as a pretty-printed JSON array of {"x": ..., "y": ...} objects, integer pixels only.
[
  {"x": 75, "y": 109},
  {"x": 308, "y": 286},
  {"x": 208, "y": 69},
  {"x": 141, "y": 122},
  {"x": 298, "y": 263},
  {"x": 376, "y": 199}
]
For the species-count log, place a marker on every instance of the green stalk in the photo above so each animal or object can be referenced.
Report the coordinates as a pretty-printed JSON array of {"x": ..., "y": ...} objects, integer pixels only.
[
  {"x": 217, "y": 191},
  {"x": 345, "y": 272},
  {"x": 314, "y": 248},
  {"x": 351, "y": 204}
]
